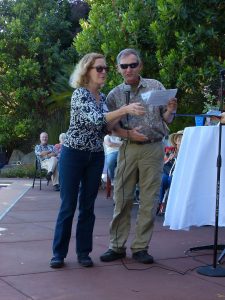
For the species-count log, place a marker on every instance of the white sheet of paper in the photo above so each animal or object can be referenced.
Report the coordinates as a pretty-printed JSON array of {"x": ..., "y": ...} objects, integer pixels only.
[{"x": 158, "y": 97}]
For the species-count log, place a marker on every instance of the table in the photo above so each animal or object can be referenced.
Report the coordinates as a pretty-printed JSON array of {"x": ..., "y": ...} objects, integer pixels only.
[{"x": 192, "y": 195}]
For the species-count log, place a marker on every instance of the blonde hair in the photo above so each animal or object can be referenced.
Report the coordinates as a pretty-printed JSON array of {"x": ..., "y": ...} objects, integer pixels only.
[{"x": 79, "y": 76}]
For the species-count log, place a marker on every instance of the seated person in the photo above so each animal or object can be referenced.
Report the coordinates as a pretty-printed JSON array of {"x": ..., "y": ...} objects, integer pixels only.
[
  {"x": 212, "y": 119},
  {"x": 111, "y": 147},
  {"x": 222, "y": 119},
  {"x": 169, "y": 165},
  {"x": 48, "y": 160},
  {"x": 58, "y": 147}
]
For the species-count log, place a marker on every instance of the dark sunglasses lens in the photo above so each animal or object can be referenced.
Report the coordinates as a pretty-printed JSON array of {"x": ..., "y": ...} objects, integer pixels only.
[
  {"x": 100, "y": 69},
  {"x": 132, "y": 66},
  {"x": 124, "y": 66}
]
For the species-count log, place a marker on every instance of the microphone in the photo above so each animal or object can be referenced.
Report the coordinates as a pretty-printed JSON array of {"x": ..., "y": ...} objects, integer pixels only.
[{"x": 127, "y": 90}]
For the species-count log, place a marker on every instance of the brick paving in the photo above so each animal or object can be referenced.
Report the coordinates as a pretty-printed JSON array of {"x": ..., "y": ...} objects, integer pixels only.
[{"x": 26, "y": 232}]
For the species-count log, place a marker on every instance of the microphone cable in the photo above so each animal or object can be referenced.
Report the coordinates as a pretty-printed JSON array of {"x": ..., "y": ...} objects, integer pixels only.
[{"x": 127, "y": 93}]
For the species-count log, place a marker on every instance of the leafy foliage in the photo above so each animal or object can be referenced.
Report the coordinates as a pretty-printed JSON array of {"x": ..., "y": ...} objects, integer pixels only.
[
  {"x": 20, "y": 171},
  {"x": 35, "y": 42},
  {"x": 190, "y": 50},
  {"x": 181, "y": 43},
  {"x": 115, "y": 25}
]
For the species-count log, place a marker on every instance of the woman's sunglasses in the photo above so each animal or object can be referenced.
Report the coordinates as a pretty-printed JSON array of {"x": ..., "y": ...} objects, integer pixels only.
[
  {"x": 100, "y": 69},
  {"x": 132, "y": 66}
]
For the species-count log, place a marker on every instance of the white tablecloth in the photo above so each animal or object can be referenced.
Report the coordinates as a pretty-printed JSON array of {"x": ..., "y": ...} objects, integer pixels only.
[{"x": 192, "y": 195}]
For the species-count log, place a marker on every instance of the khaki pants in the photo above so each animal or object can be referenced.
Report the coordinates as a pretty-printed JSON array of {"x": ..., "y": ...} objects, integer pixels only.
[
  {"x": 51, "y": 165},
  {"x": 136, "y": 164}
]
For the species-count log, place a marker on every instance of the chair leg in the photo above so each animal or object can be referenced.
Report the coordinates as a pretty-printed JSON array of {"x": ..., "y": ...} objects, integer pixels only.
[
  {"x": 40, "y": 179},
  {"x": 34, "y": 178},
  {"x": 164, "y": 202},
  {"x": 108, "y": 186}
]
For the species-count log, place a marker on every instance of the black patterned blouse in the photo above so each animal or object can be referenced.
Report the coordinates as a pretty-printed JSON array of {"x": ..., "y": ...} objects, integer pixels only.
[{"x": 87, "y": 121}]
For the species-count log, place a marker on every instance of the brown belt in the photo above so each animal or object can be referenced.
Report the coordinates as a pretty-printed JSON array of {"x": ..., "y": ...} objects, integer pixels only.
[{"x": 145, "y": 142}]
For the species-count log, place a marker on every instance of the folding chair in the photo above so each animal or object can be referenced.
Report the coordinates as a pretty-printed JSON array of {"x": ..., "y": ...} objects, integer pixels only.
[{"x": 38, "y": 171}]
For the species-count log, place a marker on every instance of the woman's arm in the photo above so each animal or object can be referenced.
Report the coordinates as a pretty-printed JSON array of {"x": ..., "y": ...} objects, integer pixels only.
[{"x": 132, "y": 109}]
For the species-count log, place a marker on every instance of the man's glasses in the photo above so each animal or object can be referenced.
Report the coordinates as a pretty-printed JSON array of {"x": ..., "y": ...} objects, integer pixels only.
[
  {"x": 100, "y": 69},
  {"x": 132, "y": 66}
]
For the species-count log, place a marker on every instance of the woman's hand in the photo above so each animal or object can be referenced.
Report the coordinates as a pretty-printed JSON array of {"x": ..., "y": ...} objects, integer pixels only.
[{"x": 134, "y": 109}]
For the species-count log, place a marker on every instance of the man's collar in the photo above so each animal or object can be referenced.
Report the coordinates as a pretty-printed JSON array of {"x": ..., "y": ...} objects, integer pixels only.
[{"x": 141, "y": 83}]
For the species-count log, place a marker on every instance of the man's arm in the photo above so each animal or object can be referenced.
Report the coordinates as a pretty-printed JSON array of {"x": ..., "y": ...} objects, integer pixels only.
[{"x": 49, "y": 153}]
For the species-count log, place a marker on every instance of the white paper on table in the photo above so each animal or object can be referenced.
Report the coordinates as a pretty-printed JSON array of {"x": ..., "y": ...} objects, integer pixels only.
[{"x": 158, "y": 97}]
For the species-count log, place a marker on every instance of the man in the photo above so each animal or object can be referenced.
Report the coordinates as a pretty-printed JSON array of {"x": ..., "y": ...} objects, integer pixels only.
[
  {"x": 48, "y": 160},
  {"x": 140, "y": 159}
]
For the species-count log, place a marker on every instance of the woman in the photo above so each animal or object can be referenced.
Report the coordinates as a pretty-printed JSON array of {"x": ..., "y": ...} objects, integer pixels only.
[
  {"x": 58, "y": 147},
  {"x": 82, "y": 157},
  {"x": 169, "y": 165}
]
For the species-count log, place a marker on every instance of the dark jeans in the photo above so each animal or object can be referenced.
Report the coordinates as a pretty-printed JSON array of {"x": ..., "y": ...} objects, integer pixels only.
[
  {"x": 80, "y": 172},
  {"x": 165, "y": 184}
]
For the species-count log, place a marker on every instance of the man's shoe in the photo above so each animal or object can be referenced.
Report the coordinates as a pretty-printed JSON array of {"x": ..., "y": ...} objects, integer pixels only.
[
  {"x": 111, "y": 255},
  {"x": 85, "y": 261},
  {"x": 143, "y": 257},
  {"x": 56, "y": 187},
  {"x": 56, "y": 262},
  {"x": 49, "y": 175}
]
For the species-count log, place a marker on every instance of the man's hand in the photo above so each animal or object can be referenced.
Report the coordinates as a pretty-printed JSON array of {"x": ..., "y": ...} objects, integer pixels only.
[
  {"x": 51, "y": 154},
  {"x": 44, "y": 153},
  {"x": 171, "y": 110},
  {"x": 172, "y": 105},
  {"x": 136, "y": 136}
]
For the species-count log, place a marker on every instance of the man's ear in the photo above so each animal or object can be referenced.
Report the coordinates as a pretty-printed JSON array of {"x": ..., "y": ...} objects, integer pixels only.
[{"x": 118, "y": 69}]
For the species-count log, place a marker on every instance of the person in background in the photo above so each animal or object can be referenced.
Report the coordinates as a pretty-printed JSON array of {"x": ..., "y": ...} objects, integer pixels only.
[
  {"x": 82, "y": 157},
  {"x": 58, "y": 147},
  {"x": 140, "y": 159},
  {"x": 111, "y": 145},
  {"x": 47, "y": 156},
  {"x": 169, "y": 165}
]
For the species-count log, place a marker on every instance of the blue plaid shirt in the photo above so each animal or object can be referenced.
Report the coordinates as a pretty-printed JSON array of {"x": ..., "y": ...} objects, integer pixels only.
[{"x": 40, "y": 148}]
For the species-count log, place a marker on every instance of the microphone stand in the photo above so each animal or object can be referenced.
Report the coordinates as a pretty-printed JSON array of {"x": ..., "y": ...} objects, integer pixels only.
[{"x": 215, "y": 270}]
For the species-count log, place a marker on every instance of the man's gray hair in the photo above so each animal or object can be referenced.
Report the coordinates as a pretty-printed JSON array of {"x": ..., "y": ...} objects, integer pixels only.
[{"x": 127, "y": 52}]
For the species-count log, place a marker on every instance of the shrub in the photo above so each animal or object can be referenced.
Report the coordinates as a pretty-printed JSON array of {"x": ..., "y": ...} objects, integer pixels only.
[{"x": 21, "y": 171}]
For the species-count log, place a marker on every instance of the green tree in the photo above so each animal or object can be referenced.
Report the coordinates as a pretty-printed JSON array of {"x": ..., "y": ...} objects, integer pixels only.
[
  {"x": 190, "y": 47},
  {"x": 115, "y": 25},
  {"x": 35, "y": 43},
  {"x": 181, "y": 43}
]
